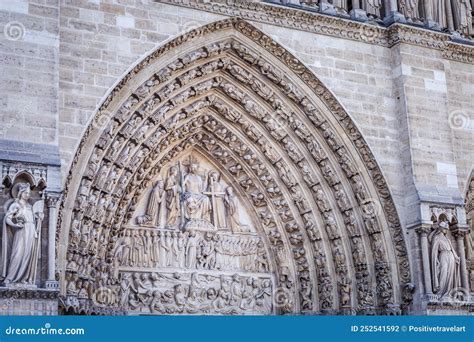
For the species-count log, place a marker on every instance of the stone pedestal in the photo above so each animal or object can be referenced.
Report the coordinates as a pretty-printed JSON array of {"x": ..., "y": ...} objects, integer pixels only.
[
  {"x": 394, "y": 17},
  {"x": 464, "y": 305},
  {"x": 327, "y": 8},
  {"x": 28, "y": 301},
  {"x": 358, "y": 14}
]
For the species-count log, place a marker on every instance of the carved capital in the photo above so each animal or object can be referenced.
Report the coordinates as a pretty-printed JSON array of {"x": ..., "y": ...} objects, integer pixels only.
[
  {"x": 52, "y": 199},
  {"x": 460, "y": 233},
  {"x": 423, "y": 230}
]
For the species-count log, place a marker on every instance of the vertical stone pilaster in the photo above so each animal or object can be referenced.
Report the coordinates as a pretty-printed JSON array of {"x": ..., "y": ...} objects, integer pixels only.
[
  {"x": 52, "y": 200},
  {"x": 460, "y": 234},
  {"x": 425, "y": 257}
]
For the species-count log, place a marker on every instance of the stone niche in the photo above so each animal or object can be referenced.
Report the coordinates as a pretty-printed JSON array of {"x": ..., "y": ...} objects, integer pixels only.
[
  {"x": 191, "y": 247},
  {"x": 27, "y": 213}
]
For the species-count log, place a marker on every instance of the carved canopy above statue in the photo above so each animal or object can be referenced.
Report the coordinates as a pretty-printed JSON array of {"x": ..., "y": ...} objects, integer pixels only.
[{"x": 221, "y": 176}]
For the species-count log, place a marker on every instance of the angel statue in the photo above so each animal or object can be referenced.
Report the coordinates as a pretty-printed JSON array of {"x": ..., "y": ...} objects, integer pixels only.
[{"x": 21, "y": 238}]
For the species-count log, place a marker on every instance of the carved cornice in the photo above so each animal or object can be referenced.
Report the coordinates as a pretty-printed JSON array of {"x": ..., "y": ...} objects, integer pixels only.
[
  {"x": 334, "y": 26},
  {"x": 399, "y": 33},
  {"x": 459, "y": 52},
  {"x": 24, "y": 293},
  {"x": 462, "y": 306}
]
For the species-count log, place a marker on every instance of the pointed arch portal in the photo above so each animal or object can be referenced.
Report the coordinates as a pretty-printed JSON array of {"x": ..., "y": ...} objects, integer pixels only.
[{"x": 321, "y": 236}]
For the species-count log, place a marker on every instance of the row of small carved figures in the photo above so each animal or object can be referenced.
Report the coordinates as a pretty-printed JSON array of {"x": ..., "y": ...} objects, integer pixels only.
[
  {"x": 232, "y": 295},
  {"x": 146, "y": 291},
  {"x": 141, "y": 248},
  {"x": 413, "y": 10}
]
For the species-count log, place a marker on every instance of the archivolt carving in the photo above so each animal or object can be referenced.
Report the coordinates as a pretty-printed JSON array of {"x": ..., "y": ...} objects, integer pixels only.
[
  {"x": 314, "y": 191},
  {"x": 469, "y": 205}
]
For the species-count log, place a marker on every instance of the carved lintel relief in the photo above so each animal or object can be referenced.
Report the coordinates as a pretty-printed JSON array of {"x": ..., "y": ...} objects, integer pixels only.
[{"x": 222, "y": 172}]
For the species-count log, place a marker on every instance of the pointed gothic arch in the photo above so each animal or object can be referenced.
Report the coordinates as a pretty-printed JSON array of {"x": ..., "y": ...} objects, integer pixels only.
[{"x": 305, "y": 173}]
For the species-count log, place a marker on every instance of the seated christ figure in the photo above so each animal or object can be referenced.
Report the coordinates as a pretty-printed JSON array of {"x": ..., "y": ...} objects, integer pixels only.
[{"x": 197, "y": 207}]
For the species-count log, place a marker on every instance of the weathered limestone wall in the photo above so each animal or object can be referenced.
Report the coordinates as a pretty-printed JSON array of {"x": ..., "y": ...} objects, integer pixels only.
[
  {"x": 100, "y": 41},
  {"x": 29, "y": 55},
  {"x": 439, "y": 103},
  {"x": 460, "y": 82}
]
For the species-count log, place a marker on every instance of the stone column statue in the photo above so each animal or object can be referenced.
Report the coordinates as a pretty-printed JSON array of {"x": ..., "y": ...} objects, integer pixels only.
[
  {"x": 372, "y": 7},
  {"x": 462, "y": 16},
  {"x": 444, "y": 262},
  {"x": 410, "y": 9},
  {"x": 172, "y": 189},
  {"x": 442, "y": 13},
  {"x": 217, "y": 192},
  {"x": 191, "y": 250},
  {"x": 156, "y": 210},
  {"x": 232, "y": 207},
  {"x": 21, "y": 238}
]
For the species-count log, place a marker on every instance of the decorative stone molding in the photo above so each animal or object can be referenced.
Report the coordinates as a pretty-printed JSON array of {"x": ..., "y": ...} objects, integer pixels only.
[
  {"x": 335, "y": 26},
  {"x": 25, "y": 302},
  {"x": 37, "y": 175},
  {"x": 19, "y": 293},
  {"x": 281, "y": 138}
]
